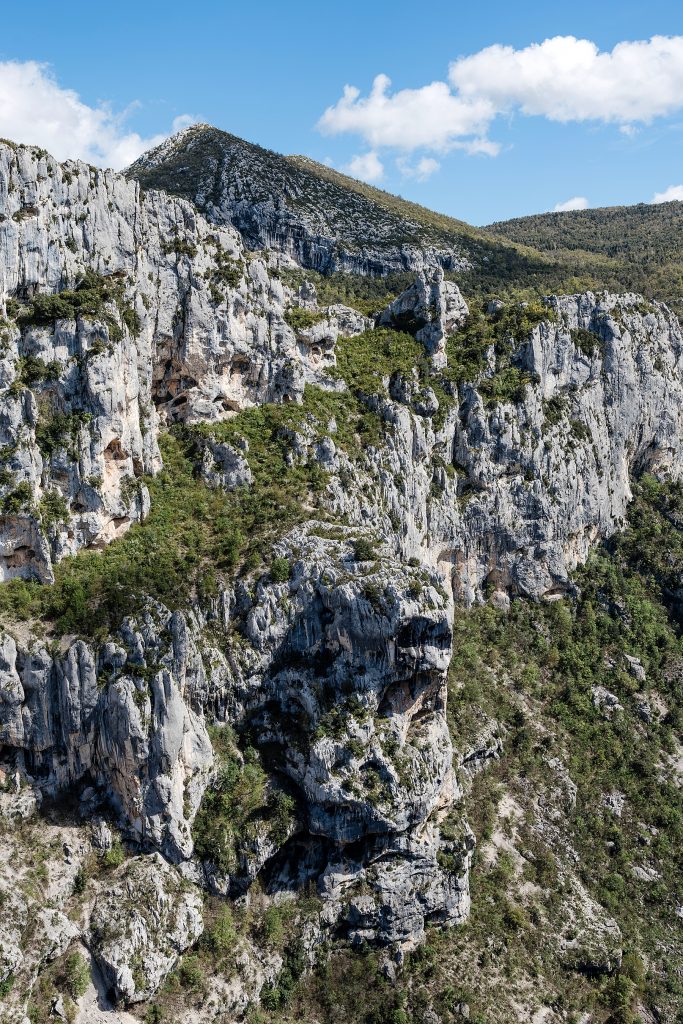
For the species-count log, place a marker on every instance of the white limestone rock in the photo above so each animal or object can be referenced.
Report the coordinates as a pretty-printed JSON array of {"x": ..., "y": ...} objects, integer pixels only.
[{"x": 141, "y": 923}]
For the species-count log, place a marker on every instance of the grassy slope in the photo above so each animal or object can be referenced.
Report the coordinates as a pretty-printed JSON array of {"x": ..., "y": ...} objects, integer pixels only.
[{"x": 637, "y": 248}]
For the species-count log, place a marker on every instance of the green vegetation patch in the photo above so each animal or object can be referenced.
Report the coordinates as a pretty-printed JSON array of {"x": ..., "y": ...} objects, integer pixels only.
[
  {"x": 299, "y": 319},
  {"x": 368, "y": 360},
  {"x": 549, "y": 658},
  {"x": 238, "y": 805},
  {"x": 500, "y": 331},
  {"x": 624, "y": 248},
  {"x": 587, "y": 341},
  {"x": 367, "y": 294},
  {"x": 193, "y": 537},
  {"x": 92, "y": 298},
  {"x": 56, "y": 430}
]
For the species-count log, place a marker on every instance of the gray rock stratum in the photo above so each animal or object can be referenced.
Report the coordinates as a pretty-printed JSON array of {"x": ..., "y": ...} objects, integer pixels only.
[{"x": 124, "y": 313}]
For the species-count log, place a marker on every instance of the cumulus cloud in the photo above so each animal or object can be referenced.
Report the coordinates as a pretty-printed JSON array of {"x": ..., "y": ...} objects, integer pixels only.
[
  {"x": 422, "y": 170},
  {"x": 575, "y": 203},
  {"x": 182, "y": 121},
  {"x": 569, "y": 79},
  {"x": 366, "y": 166},
  {"x": 410, "y": 118},
  {"x": 562, "y": 79},
  {"x": 35, "y": 109},
  {"x": 669, "y": 194}
]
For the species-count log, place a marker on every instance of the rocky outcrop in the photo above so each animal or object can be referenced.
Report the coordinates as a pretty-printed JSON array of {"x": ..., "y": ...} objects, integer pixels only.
[
  {"x": 507, "y": 495},
  {"x": 398, "y": 886},
  {"x": 339, "y": 672},
  {"x": 140, "y": 925},
  {"x": 431, "y": 309},
  {"x": 116, "y": 716}
]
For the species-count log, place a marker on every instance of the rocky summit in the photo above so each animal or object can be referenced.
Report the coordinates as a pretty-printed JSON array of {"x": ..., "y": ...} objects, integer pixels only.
[{"x": 340, "y": 604}]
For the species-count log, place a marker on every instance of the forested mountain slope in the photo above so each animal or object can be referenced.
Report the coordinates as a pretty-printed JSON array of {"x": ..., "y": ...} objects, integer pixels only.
[{"x": 643, "y": 245}]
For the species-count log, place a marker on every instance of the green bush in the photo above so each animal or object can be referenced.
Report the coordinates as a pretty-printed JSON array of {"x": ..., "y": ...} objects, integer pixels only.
[
  {"x": 76, "y": 975},
  {"x": 581, "y": 431},
  {"x": 179, "y": 247},
  {"x": 274, "y": 925},
  {"x": 554, "y": 409},
  {"x": 6, "y": 985},
  {"x": 114, "y": 856},
  {"x": 53, "y": 508},
  {"x": 91, "y": 298},
  {"x": 228, "y": 271},
  {"x": 548, "y": 658},
  {"x": 280, "y": 570},
  {"x": 586, "y": 341},
  {"x": 363, "y": 292},
  {"x": 364, "y": 550},
  {"x": 237, "y": 798},
  {"x": 508, "y": 385},
  {"x": 18, "y": 500},
  {"x": 501, "y": 330},
  {"x": 193, "y": 533},
  {"x": 191, "y": 972},
  {"x": 221, "y": 937},
  {"x": 280, "y": 811},
  {"x": 299, "y": 319},
  {"x": 57, "y": 430},
  {"x": 32, "y": 371},
  {"x": 131, "y": 320}
]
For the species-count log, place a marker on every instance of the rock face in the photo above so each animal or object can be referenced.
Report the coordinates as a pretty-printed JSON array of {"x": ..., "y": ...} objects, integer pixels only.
[
  {"x": 549, "y": 479},
  {"x": 510, "y": 495},
  {"x": 186, "y": 326},
  {"x": 318, "y": 218},
  {"x": 102, "y": 715},
  {"x": 141, "y": 923},
  {"x": 342, "y": 673},
  {"x": 431, "y": 309}
]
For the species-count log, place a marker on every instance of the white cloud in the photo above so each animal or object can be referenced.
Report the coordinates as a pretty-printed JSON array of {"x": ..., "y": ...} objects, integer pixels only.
[
  {"x": 431, "y": 116},
  {"x": 562, "y": 79},
  {"x": 569, "y": 79},
  {"x": 366, "y": 166},
  {"x": 576, "y": 203},
  {"x": 479, "y": 147},
  {"x": 422, "y": 170},
  {"x": 669, "y": 194},
  {"x": 35, "y": 109},
  {"x": 181, "y": 122}
]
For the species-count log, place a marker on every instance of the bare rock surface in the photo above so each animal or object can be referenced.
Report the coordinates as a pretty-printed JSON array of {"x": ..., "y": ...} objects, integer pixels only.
[{"x": 140, "y": 925}]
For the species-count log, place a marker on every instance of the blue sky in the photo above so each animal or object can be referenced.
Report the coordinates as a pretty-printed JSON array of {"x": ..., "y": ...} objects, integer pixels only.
[{"x": 268, "y": 72}]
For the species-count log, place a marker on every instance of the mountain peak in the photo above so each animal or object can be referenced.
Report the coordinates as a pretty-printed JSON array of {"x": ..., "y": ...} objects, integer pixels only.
[{"x": 325, "y": 220}]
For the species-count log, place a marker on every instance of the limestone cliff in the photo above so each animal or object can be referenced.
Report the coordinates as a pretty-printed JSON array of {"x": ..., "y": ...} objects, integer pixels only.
[{"x": 451, "y": 456}]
